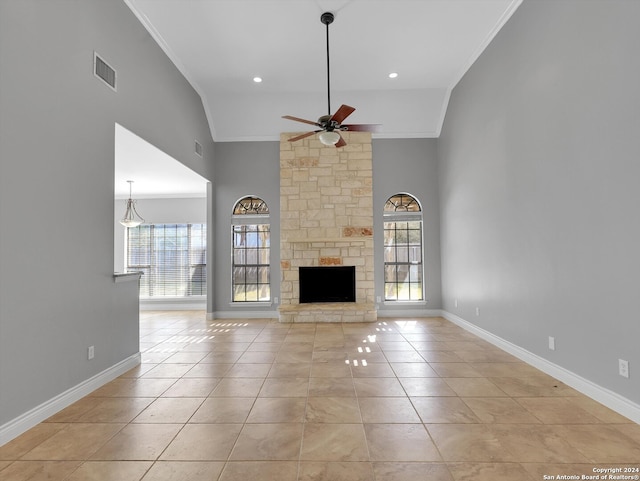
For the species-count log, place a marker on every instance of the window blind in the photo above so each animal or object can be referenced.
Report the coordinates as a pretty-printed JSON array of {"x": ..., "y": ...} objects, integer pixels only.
[{"x": 172, "y": 258}]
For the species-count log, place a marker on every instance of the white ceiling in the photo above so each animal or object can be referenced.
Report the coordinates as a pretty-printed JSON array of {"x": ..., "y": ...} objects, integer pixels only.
[
  {"x": 154, "y": 173},
  {"x": 220, "y": 45}
]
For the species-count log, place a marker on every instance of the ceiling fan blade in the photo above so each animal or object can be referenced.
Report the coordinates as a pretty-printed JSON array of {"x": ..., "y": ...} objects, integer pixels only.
[
  {"x": 341, "y": 142},
  {"x": 362, "y": 127},
  {"x": 298, "y": 137},
  {"x": 304, "y": 121},
  {"x": 342, "y": 113}
]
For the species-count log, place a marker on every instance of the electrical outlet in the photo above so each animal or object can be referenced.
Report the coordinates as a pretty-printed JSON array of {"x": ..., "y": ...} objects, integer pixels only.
[
  {"x": 275, "y": 300},
  {"x": 90, "y": 352},
  {"x": 623, "y": 368},
  {"x": 552, "y": 343},
  {"x": 455, "y": 302},
  {"x": 378, "y": 299},
  {"x": 477, "y": 311}
]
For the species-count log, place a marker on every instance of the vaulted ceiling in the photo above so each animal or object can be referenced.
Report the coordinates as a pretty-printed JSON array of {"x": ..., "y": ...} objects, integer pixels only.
[{"x": 221, "y": 45}]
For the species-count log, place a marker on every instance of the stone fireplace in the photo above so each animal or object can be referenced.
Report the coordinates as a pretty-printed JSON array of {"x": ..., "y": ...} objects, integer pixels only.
[{"x": 326, "y": 218}]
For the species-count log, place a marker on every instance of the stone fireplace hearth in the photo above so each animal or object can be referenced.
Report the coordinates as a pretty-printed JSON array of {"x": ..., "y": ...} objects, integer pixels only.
[{"x": 326, "y": 216}]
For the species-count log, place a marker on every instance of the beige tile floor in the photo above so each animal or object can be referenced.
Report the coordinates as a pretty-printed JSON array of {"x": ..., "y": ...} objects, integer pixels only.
[{"x": 398, "y": 400}]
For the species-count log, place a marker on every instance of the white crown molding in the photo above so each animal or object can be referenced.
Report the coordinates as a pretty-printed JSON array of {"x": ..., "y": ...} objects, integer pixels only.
[
  {"x": 443, "y": 112},
  {"x": 509, "y": 11},
  {"x": 374, "y": 136},
  {"x": 173, "y": 57},
  {"x": 190, "y": 195},
  {"x": 146, "y": 23}
]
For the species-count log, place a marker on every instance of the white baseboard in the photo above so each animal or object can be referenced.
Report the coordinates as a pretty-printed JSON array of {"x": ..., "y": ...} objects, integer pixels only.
[
  {"x": 31, "y": 418},
  {"x": 172, "y": 305},
  {"x": 242, "y": 315},
  {"x": 603, "y": 395},
  {"x": 274, "y": 314},
  {"x": 404, "y": 313}
]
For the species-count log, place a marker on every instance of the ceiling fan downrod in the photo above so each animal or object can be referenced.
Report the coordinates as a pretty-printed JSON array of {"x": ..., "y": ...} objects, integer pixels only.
[
  {"x": 331, "y": 125},
  {"x": 327, "y": 18}
]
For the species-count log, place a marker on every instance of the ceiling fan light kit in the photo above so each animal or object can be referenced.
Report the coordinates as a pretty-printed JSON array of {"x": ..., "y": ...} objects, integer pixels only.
[
  {"x": 329, "y": 137},
  {"x": 329, "y": 125}
]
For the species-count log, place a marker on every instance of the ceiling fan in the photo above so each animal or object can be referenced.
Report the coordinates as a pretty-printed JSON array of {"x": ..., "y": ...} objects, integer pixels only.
[{"x": 331, "y": 125}]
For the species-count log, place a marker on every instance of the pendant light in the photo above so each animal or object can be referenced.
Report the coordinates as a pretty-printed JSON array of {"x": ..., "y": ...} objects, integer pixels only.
[{"x": 131, "y": 217}]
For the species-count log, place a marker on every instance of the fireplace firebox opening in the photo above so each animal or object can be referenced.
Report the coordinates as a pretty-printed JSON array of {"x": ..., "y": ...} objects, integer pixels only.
[{"x": 327, "y": 284}]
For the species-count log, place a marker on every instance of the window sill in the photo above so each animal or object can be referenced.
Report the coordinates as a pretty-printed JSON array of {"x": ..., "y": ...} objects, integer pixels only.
[
  {"x": 405, "y": 303},
  {"x": 251, "y": 304},
  {"x": 173, "y": 298}
]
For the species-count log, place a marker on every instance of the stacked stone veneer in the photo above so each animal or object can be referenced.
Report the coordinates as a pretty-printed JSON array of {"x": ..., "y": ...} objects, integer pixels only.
[{"x": 326, "y": 219}]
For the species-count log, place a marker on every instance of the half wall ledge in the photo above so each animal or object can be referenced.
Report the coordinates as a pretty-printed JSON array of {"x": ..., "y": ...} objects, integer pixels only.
[
  {"x": 328, "y": 312},
  {"x": 127, "y": 276}
]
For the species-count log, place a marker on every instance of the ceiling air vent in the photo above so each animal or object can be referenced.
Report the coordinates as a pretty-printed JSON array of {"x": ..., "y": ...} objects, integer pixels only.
[
  {"x": 198, "y": 148},
  {"x": 104, "y": 71}
]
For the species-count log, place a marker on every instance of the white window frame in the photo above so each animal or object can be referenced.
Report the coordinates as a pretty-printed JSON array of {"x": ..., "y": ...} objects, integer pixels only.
[
  {"x": 403, "y": 216},
  {"x": 250, "y": 219}
]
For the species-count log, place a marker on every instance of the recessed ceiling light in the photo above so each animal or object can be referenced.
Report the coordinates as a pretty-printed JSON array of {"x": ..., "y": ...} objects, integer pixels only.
[
  {"x": 257, "y": 79},
  {"x": 393, "y": 74}
]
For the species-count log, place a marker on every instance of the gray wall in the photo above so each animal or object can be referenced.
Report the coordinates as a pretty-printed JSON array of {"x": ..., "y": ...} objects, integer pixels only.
[
  {"x": 244, "y": 168},
  {"x": 408, "y": 165},
  {"x": 539, "y": 163},
  {"x": 57, "y": 123}
]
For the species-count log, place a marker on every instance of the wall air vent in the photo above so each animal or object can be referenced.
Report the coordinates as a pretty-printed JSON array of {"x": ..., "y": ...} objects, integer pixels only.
[
  {"x": 198, "y": 148},
  {"x": 104, "y": 71}
]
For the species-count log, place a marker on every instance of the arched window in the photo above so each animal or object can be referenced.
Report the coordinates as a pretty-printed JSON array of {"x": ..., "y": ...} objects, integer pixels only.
[
  {"x": 403, "y": 272},
  {"x": 250, "y": 269}
]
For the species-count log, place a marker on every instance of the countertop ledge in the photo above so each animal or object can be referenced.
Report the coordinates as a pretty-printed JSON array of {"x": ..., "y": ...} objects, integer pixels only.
[{"x": 127, "y": 276}]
